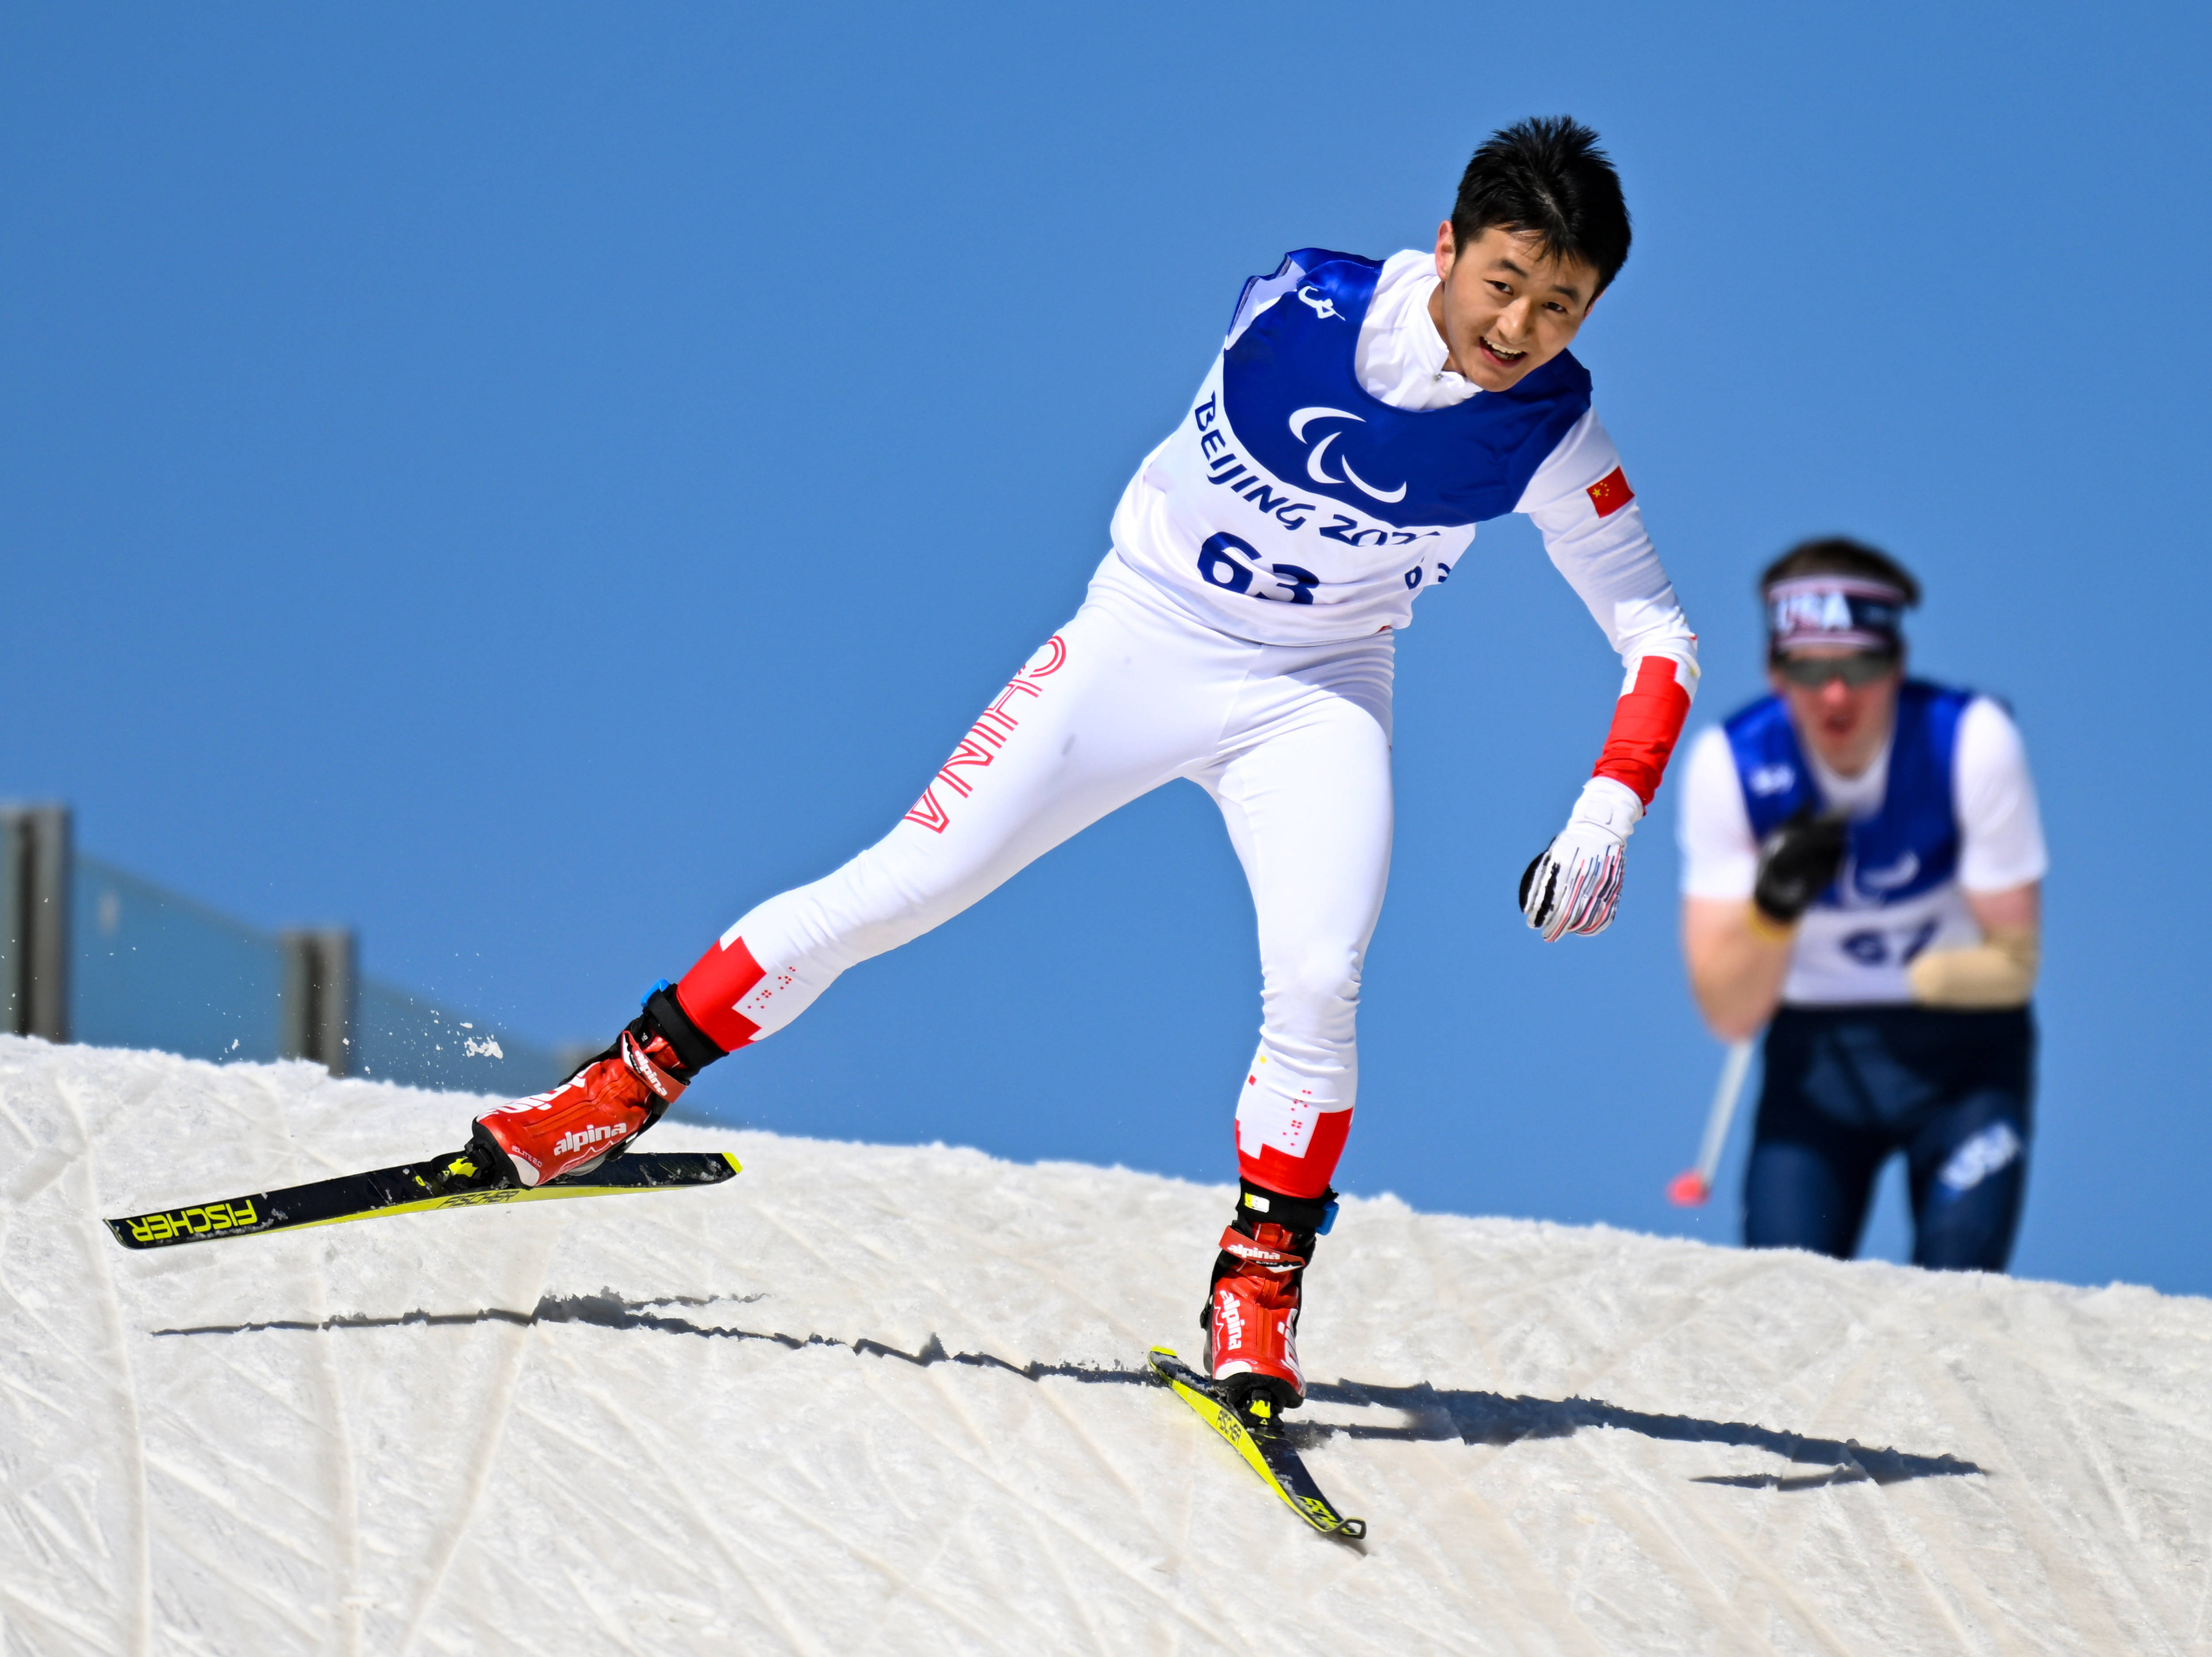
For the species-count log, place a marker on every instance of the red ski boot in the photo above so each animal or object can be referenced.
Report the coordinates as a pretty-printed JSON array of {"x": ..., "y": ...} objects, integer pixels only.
[
  {"x": 1251, "y": 1319},
  {"x": 600, "y": 1110}
]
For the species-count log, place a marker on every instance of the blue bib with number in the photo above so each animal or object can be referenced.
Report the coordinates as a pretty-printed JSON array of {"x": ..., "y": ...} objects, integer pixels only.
[
  {"x": 1293, "y": 401},
  {"x": 1910, "y": 846}
]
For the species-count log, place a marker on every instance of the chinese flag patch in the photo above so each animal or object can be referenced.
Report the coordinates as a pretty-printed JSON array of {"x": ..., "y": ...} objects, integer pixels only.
[{"x": 1611, "y": 492}]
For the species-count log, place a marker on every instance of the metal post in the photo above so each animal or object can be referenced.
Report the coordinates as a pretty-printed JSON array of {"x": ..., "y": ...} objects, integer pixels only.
[
  {"x": 14, "y": 947},
  {"x": 321, "y": 990},
  {"x": 34, "y": 920}
]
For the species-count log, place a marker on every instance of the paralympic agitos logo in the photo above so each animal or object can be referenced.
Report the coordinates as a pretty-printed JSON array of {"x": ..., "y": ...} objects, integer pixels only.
[{"x": 1317, "y": 453}]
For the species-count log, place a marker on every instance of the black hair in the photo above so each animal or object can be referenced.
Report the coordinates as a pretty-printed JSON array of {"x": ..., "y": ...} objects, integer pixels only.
[
  {"x": 1547, "y": 176},
  {"x": 1837, "y": 554}
]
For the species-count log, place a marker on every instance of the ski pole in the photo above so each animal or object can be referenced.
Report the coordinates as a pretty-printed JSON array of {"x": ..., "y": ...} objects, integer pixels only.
[{"x": 1691, "y": 1190}]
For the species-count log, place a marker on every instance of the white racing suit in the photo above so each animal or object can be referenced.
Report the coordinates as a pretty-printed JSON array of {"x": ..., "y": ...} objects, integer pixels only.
[{"x": 1240, "y": 635}]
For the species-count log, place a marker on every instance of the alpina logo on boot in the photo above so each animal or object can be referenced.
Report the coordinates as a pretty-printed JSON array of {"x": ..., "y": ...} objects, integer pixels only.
[
  {"x": 1233, "y": 1319},
  {"x": 583, "y": 1137},
  {"x": 1274, "y": 1260}
]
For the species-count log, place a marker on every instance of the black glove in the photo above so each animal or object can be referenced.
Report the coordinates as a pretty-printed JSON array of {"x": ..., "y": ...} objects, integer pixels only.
[{"x": 1795, "y": 864}]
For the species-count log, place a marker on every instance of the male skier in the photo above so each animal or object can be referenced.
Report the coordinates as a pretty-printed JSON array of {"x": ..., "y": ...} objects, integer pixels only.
[
  {"x": 1361, "y": 418},
  {"x": 1862, "y": 862}
]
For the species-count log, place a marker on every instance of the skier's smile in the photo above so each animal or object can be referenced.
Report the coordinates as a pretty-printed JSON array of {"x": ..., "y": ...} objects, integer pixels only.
[{"x": 1504, "y": 306}]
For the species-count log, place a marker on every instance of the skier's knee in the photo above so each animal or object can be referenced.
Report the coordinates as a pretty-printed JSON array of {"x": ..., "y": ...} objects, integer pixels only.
[{"x": 1317, "y": 986}]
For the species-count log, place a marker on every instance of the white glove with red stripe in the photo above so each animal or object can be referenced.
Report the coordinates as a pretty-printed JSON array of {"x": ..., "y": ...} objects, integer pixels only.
[{"x": 1574, "y": 884}]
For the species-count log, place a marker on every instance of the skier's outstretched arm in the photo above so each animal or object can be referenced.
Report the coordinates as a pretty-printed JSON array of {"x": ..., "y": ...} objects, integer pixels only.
[
  {"x": 1999, "y": 972},
  {"x": 1594, "y": 530}
]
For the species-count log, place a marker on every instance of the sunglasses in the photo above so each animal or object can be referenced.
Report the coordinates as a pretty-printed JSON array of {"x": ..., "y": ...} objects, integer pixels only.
[{"x": 1814, "y": 672}]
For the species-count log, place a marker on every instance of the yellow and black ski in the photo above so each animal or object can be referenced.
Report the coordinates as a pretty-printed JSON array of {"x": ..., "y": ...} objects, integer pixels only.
[
  {"x": 1262, "y": 1445},
  {"x": 455, "y": 1181}
]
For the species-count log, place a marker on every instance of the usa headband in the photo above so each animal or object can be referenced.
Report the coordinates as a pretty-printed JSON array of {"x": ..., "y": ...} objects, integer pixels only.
[{"x": 1846, "y": 612}]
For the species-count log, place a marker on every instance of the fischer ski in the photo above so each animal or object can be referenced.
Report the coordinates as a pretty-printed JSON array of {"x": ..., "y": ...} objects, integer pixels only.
[
  {"x": 1261, "y": 1443},
  {"x": 457, "y": 1181}
]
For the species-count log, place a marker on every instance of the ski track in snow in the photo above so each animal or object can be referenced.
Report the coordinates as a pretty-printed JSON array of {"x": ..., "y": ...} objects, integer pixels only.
[{"x": 893, "y": 1400}]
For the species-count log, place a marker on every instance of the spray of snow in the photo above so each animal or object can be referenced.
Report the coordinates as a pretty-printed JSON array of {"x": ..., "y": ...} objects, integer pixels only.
[{"x": 864, "y": 1398}]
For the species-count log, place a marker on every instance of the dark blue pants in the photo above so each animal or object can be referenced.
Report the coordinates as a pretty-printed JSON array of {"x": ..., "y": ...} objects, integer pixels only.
[{"x": 1847, "y": 1086}]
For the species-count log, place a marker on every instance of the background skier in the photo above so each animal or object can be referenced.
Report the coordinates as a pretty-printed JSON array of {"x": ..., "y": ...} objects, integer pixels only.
[{"x": 1862, "y": 861}]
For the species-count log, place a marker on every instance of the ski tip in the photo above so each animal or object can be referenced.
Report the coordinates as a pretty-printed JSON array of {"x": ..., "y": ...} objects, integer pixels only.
[
  {"x": 1689, "y": 1190},
  {"x": 736, "y": 1167}
]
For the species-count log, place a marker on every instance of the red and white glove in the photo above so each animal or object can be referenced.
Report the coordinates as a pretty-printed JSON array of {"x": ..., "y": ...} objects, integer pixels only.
[{"x": 1574, "y": 884}]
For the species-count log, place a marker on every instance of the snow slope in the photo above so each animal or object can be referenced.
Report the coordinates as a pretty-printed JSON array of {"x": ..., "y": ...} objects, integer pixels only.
[{"x": 889, "y": 1400}]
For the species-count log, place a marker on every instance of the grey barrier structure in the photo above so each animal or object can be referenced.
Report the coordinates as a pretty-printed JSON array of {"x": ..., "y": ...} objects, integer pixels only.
[
  {"x": 34, "y": 920},
  {"x": 321, "y": 1006},
  {"x": 90, "y": 952}
]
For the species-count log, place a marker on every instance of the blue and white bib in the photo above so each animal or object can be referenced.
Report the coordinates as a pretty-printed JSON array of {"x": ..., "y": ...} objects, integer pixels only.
[
  {"x": 1898, "y": 892},
  {"x": 1291, "y": 506}
]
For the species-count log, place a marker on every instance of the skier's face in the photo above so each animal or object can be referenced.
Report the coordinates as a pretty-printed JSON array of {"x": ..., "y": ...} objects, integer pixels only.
[
  {"x": 1505, "y": 308},
  {"x": 1844, "y": 723}
]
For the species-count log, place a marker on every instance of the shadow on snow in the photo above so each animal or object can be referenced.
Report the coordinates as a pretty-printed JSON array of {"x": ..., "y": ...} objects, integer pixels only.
[{"x": 1429, "y": 1414}]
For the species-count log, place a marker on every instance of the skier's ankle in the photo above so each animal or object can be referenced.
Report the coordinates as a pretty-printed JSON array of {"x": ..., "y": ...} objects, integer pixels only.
[
  {"x": 670, "y": 1036},
  {"x": 1304, "y": 1219}
]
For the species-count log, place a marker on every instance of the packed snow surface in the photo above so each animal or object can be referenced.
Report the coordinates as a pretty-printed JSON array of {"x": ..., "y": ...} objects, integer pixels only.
[{"x": 871, "y": 1398}]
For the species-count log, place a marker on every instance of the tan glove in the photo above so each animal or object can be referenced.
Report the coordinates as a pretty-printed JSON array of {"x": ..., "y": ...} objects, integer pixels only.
[{"x": 1999, "y": 972}]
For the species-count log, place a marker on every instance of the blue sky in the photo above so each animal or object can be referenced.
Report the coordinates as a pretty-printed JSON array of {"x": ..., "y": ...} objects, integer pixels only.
[{"x": 531, "y": 481}]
